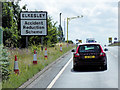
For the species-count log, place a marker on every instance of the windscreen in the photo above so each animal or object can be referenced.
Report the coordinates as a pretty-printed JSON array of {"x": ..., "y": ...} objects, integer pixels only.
[{"x": 89, "y": 48}]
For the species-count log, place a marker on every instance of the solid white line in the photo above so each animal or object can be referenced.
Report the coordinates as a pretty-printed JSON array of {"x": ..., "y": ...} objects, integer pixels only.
[{"x": 58, "y": 75}]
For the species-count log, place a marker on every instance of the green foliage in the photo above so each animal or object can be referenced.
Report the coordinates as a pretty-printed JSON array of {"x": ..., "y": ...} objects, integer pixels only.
[
  {"x": 51, "y": 38},
  {"x": 26, "y": 68},
  {"x": 70, "y": 41},
  {"x": 4, "y": 63},
  {"x": 11, "y": 26}
]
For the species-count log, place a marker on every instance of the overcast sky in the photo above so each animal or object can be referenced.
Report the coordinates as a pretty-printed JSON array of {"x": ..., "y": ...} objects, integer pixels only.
[{"x": 100, "y": 17}]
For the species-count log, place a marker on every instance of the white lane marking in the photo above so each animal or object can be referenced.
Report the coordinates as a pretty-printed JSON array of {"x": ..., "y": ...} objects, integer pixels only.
[
  {"x": 113, "y": 54},
  {"x": 58, "y": 75}
]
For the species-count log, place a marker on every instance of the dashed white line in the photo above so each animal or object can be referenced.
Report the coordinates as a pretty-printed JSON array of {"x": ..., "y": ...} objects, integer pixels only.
[{"x": 58, "y": 75}]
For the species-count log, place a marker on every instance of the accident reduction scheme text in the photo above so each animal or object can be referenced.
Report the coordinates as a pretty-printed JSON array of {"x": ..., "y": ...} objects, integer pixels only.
[{"x": 33, "y": 23}]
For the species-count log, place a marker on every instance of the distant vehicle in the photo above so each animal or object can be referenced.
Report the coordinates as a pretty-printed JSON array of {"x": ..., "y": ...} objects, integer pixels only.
[
  {"x": 90, "y": 40},
  {"x": 105, "y": 45},
  {"x": 89, "y": 55}
]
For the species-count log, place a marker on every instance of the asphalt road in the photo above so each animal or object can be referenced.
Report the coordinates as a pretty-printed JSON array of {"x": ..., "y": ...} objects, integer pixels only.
[{"x": 61, "y": 75}]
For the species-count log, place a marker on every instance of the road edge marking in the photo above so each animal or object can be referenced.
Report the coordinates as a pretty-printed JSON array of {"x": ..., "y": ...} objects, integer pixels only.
[{"x": 58, "y": 75}]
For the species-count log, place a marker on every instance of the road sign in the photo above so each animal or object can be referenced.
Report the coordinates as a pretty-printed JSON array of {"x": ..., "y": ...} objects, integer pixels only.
[
  {"x": 76, "y": 40},
  {"x": 115, "y": 38},
  {"x": 110, "y": 39},
  {"x": 80, "y": 41},
  {"x": 33, "y": 23},
  {"x": 1, "y": 36}
]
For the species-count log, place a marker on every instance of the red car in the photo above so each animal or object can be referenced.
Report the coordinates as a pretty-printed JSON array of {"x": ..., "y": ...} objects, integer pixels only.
[{"x": 89, "y": 55}]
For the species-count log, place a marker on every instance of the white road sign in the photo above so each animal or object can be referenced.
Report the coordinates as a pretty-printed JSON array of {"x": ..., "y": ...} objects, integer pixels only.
[{"x": 33, "y": 23}]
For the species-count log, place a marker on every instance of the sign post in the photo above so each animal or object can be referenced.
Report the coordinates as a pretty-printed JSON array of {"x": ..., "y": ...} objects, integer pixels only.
[
  {"x": 42, "y": 43},
  {"x": 80, "y": 41},
  {"x": 26, "y": 41},
  {"x": 33, "y": 23},
  {"x": 110, "y": 39}
]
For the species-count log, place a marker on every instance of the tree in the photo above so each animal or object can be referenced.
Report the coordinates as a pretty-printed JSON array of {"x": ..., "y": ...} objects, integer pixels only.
[
  {"x": 11, "y": 26},
  {"x": 51, "y": 38},
  {"x": 11, "y": 23}
]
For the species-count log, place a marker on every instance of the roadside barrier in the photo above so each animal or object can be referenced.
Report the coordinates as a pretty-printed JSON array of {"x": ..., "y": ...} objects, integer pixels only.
[
  {"x": 60, "y": 47},
  {"x": 16, "y": 69},
  {"x": 35, "y": 57},
  {"x": 45, "y": 53}
]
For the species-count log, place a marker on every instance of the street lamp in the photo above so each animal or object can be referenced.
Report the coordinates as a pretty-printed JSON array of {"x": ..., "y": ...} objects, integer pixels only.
[
  {"x": 60, "y": 29},
  {"x": 60, "y": 19},
  {"x": 68, "y": 19}
]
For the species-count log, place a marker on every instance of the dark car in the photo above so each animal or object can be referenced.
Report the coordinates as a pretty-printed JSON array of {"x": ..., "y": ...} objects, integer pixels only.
[{"x": 89, "y": 55}]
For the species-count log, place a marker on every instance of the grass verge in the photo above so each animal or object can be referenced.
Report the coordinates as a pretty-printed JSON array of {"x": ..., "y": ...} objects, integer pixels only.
[
  {"x": 115, "y": 44},
  {"x": 25, "y": 63}
]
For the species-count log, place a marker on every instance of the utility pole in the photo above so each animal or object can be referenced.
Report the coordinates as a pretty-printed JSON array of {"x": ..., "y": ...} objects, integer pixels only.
[
  {"x": 64, "y": 29},
  {"x": 67, "y": 30}
]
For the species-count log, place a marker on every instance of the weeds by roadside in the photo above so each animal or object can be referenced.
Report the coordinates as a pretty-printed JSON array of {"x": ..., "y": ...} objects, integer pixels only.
[{"x": 25, "y": 63}]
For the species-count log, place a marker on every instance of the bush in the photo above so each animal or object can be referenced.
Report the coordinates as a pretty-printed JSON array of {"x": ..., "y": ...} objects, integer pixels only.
[{"x": 4, "y": 63}]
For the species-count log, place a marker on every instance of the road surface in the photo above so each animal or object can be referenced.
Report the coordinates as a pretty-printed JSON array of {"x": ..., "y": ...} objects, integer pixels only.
[{"x": 61, "y": 75}]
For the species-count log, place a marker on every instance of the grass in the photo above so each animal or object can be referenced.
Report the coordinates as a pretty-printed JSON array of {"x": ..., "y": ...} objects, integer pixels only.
[
  {"x": 115, "y": 44},
  {"x": 25, "y": 62}
]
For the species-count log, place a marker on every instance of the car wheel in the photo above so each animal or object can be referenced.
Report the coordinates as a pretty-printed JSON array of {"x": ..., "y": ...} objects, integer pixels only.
[
  {"x": 105, "y": 67},
  {"x": 75, "y": 68},
  {"x": 101, "y": 68}
]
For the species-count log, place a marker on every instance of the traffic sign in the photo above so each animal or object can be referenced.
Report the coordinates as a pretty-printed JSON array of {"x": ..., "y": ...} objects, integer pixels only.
[
  {"x": 110, "y": 39},
  {"x": 80, "y": 41},
  {"x": 115, "y": 38},
  {"x": 76, "y": 40},
  {"x": 33, "y": 23},
  {"x": 1, "y": 36}
]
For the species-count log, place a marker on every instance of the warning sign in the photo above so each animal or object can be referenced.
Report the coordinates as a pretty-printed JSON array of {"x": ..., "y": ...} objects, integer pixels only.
[
  {"x": 80, "y": 41},
  {"x": 110, "y": 39},
  {"x": 33, "y": 23}
]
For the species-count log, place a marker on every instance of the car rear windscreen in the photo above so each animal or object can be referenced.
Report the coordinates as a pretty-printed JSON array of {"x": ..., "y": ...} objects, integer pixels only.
[{"x": 89, "y": 48}]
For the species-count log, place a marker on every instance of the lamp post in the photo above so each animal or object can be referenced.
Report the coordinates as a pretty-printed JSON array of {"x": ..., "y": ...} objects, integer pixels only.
[
  {"x": 68, "y": 19},
  {"x": 64, "y": 29},
  {"x": 60, "y": 19},
  {"x": 60, "y": 28}
]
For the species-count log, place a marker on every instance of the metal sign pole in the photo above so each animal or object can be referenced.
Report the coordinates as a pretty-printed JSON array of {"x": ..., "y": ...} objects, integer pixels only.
[
  {"x": 26, "y": 41},
  {"x": 42, "y": 43}
]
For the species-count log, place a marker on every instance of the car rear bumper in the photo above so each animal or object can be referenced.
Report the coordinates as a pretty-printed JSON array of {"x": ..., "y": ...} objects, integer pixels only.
[{"x": 89, "y": 63}]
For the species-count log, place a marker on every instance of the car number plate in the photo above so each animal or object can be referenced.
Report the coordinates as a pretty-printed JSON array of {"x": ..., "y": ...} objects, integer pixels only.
[{"x": 89, "y": 56}]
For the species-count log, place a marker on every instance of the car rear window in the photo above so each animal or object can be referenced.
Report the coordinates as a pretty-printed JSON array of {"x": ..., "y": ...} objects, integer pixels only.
[{"x": 89, "y": 48}]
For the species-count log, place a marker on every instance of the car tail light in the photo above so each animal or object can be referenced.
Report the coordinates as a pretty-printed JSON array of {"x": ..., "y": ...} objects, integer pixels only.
[
  {"x": 102, "y": 54},
  {"x": 76, "y": 55}
]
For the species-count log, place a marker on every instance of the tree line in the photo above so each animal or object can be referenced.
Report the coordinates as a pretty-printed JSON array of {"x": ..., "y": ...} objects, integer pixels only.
[{"x": 11, "y": 28}]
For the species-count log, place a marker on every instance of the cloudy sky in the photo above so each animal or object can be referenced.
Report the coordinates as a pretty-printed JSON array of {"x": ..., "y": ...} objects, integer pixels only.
[{"x": 100, "y": 17}]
